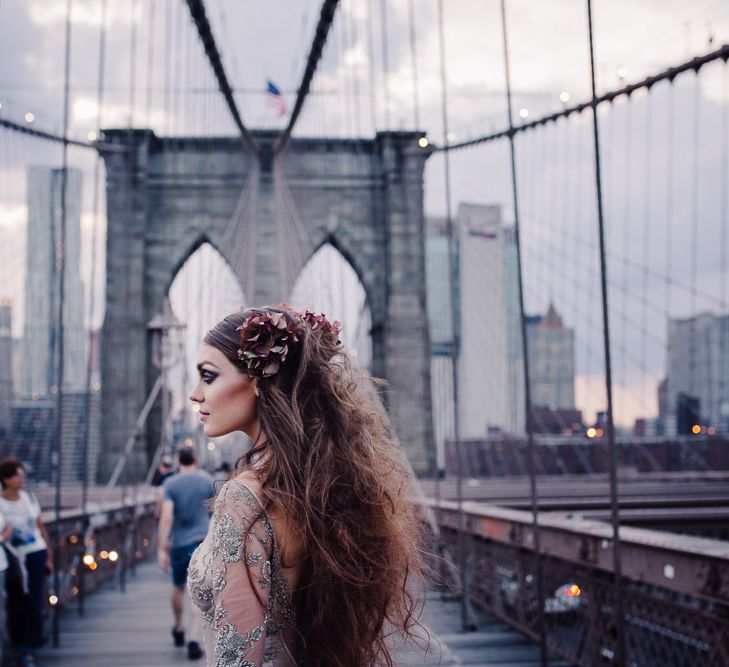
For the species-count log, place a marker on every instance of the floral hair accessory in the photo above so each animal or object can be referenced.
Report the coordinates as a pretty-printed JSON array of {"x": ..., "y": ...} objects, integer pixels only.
[
  {"x": 319, "y": 321},
  {"x": 265, "y": 339}
]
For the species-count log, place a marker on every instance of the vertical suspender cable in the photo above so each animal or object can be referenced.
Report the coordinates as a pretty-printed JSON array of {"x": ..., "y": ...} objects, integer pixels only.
[
  {"x": 453, "y": 274},
  {"x": 527, "y": 389},
  {"x": 60, "y": 260},
  {"x": 414, "y": 66},
  {"x": 646, "y": 247},
  {"x": 724, "y": 220},
  {"x": 92, "y": 294},
  {"x": 670, "y": 121},
  {"x": 371, "y": 67},
  {"x": 150, "y": 60},
  {"x": 131, "y": 203},
  {"x": 618, "y": 619},
  {"x": 705, "y": 410},
  {"x": 385, "y": 63}
]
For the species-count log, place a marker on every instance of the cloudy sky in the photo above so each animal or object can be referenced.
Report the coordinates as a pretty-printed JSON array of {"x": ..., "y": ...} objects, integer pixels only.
[{"x": 168, "y": 86}]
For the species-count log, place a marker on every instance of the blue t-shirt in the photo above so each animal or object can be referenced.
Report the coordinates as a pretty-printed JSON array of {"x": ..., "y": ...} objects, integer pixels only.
[{"x": 190, "y": 493}]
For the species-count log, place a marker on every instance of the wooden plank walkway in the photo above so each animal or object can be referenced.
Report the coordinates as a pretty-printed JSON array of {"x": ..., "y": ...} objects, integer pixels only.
[{"x": 133, "y": 628}]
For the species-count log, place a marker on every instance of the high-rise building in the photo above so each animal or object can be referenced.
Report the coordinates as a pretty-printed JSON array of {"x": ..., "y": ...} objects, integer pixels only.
[
  {"x": 551, "y": 348},
  {"x": 6, "y": 372},
  {"x": 40, "y": 336},
  {"x": 487, "y": 333},
  {"x": 490, "y": 354},
  {"x": 440, "y": 319},
  {"x": 698, "y": 368}
]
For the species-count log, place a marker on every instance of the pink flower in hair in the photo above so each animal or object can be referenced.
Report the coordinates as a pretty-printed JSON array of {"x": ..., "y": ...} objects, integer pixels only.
[{"x": 319, "y": 321}]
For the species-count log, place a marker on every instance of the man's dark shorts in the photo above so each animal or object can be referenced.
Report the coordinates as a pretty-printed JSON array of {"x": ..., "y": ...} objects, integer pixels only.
[{"x": 180, "y": 560}]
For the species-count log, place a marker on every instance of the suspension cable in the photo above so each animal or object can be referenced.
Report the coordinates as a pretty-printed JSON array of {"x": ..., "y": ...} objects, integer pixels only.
[
  {"x": 453, "y": 276},
  {"x": 525, "y": 357},
  {"x": 320, "y": 37},
  {"x": 695, "y": 64},
  {"x": 414, "y": 65},
  {"x": 197, "y": 11},
  {"x": 50, "y": 136},
  {"x": 60, "y": 274},
  {"x": 618, "y": 614}
]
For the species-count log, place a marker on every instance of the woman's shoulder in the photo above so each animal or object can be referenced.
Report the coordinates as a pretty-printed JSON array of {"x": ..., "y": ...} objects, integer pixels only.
[
  {"x": 247, "y": 484},
  {"x": 250, "y": 479}
]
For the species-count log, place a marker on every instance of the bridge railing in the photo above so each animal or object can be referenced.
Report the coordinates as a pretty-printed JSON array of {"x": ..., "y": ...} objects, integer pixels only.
[
  {"x": 675, "y": 590},
  {"x": 99, "y": 545}
]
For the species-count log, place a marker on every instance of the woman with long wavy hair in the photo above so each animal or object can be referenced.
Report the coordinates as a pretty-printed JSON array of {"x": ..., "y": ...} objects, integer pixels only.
[{"x": 312, "y": 557}]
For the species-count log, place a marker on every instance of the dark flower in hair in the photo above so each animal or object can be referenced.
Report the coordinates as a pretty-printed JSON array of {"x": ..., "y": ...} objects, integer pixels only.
[
  {"x": 319, "y": 321},
  {"x": 265, "y": 339}
]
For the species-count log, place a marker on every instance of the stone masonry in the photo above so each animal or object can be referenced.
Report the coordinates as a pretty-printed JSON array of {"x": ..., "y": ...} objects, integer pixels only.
[{"x": 167, "y": 196}]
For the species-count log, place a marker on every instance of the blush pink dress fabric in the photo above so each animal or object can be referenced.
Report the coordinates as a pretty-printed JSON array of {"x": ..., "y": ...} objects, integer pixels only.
[{"x": 235, "y": 578}]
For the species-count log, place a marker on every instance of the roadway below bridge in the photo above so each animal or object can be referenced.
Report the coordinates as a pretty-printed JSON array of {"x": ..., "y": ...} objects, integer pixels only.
[{"x": 695, "y": 503}]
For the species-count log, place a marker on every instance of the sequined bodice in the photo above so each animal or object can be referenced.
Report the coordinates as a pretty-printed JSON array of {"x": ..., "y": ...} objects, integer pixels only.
[{"x": 235, "y": 578}]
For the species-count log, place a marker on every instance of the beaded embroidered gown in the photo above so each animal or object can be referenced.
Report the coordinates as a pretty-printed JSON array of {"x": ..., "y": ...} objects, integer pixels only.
[{"x": 240, "y": 587}]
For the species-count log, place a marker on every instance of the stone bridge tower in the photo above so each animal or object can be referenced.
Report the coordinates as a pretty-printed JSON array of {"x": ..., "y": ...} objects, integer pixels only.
[{"x": 266, "y": 215}]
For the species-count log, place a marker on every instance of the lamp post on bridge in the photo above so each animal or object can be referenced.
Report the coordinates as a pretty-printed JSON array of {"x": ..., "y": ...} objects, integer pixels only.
[{"x": 160, "y": 327}]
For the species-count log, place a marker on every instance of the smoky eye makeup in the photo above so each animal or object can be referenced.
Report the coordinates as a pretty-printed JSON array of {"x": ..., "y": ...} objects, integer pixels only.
[{"x": 207, "y": 376}]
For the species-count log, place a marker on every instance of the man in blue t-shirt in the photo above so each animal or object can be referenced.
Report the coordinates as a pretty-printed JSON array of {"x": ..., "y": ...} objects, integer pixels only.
[{"x": 183, "y": 524}]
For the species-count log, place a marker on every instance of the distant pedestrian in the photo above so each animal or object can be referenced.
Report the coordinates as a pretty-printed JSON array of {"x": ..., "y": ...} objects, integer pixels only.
[
  {"x": 5, "y": 534},
  {"x": 165, "y": 469},
  {"x": 183, "y": 524},
  {"x": 29, "y": 539}
]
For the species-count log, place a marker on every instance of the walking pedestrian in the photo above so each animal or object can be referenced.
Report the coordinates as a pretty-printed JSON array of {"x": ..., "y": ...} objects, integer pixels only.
[
  {"x": 183, "y": 524},
  {"x": 5, "y": 534},
  {"x": 312, "y": 555},
  {"x": 164, "y": 470},
  {"x": 29, "y": 539}
]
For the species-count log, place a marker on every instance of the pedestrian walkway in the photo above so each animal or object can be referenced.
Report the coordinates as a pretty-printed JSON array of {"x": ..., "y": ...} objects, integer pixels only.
[{"x": 133, "y": 628}]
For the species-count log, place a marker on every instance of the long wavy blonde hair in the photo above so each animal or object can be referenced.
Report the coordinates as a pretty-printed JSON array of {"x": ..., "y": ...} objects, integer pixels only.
[{"x": 330, "y": 465}]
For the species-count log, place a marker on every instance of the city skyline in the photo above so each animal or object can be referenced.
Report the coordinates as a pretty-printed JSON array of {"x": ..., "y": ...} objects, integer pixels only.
[{"x": 638, "y": 194}]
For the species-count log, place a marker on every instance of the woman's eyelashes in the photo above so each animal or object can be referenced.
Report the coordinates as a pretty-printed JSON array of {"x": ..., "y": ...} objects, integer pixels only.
[{"x": 207, "y": 377}]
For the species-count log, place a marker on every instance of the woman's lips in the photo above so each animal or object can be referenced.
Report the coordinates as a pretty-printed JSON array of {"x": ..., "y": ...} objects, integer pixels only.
[{"x": 204, "y": 415}]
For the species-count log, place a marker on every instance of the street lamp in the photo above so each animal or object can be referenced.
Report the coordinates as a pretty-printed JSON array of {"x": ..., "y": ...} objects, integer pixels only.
[{"x": 160, "y": 328}]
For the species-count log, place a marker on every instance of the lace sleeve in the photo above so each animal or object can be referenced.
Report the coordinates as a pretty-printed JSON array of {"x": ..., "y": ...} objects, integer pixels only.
[{"x": 241, "y": 550}]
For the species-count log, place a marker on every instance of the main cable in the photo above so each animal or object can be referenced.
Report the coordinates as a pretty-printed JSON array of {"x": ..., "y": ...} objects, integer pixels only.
[
  {"x": 197, "y": 11},
  {"x": 326, "y": 17}
]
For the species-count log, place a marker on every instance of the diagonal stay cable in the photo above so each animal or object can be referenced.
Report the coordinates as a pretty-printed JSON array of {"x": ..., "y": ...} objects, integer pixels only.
[
  {"x": 320, "y": 37},
  {"x": 197, "y": 11}
]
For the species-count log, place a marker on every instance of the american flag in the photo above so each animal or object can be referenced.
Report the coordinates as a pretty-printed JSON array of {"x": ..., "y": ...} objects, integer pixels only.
[{"x": 275, "y": 99}]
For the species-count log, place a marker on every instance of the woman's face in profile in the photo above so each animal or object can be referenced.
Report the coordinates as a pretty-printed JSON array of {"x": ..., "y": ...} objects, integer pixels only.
[{"x": 226, "y": 395}]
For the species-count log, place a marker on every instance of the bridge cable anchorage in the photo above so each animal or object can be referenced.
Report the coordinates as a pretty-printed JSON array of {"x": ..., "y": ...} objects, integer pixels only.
[
  {"x": 320, "y": 37},
  {"x": 197, "y": 11},
  {"x": 531, "y": 463},
  {"x": 695, "y": 64}
]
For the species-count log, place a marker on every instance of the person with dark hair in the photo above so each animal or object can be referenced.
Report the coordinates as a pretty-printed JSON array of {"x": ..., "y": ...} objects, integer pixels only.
[
  {"x": 164, "y": 469},
  {"x": 312, "y": 556},
  {"x": 29, "y": 540},
  {"x": 183, "y": 524}
]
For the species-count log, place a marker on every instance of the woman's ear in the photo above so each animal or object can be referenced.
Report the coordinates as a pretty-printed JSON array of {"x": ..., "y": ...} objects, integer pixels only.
[{"x": 255, "y": 387}]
